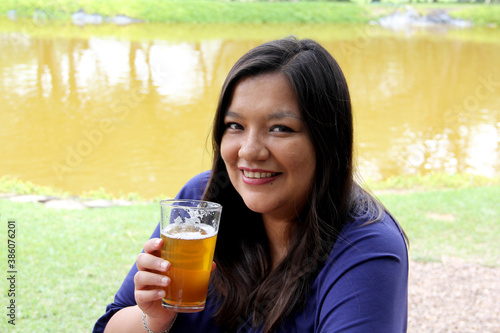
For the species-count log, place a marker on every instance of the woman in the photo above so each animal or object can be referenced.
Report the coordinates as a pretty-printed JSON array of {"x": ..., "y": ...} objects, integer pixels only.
[{"x": 301, "y": 247}]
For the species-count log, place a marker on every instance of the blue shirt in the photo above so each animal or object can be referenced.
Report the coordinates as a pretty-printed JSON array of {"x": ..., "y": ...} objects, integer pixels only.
[{"x": 362, "y": 288}]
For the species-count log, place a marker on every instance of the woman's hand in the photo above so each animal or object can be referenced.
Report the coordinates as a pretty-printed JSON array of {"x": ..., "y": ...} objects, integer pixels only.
[{"x": 150, "y": 282}]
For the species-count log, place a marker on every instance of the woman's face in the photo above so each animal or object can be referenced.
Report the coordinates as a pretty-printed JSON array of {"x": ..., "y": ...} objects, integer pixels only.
[{"x": 267, "y": 148}]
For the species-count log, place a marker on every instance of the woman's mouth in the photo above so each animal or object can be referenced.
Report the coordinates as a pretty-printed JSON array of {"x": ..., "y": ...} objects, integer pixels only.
[{"x": 258, "y": 175}]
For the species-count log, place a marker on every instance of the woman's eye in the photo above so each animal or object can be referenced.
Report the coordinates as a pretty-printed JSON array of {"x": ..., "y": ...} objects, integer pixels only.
[
  {"x": 281, "y": 128},
  {"x": 233, "y": 126}
]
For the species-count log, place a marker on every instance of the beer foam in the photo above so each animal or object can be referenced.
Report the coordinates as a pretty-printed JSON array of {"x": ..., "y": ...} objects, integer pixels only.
[{"x": 188, "y": 231}]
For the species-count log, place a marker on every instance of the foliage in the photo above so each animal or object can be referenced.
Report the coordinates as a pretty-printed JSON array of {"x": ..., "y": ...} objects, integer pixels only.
[
  {"x": 481, "y": 15},
  {"x": 433, "y": 181},
  {"x": 195, "y": 11},
  {"x": 12, "y": 185},
  {"x": 221, "y": 11}
]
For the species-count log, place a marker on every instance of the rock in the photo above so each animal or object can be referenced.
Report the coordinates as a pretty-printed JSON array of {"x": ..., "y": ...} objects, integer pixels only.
[
  {"x": 40, "y": 16},
  {"x": 65, "y": 204},
  {"x": 101, "y": 203},
  {"x": 81, "y": 18},
  {"x": 30, "y": 198},
  {"x": 12, "y": 14},
  {"x": 409, "y": 17},
  {"x": 123, "y": 20},
  {"x": 439, "y": 16}
]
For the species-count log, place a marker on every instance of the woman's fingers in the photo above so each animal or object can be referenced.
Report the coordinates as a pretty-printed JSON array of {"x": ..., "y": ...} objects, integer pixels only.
[
  {"x": 150, "y": 262},
  {"x": 149, "y": 280},
  {"x": 153, "y": 246},
  {"x": 145, "y": 296}
]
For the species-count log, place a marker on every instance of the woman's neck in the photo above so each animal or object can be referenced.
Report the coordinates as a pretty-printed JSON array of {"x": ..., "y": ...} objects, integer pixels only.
[{"x": 277, "y": 235}]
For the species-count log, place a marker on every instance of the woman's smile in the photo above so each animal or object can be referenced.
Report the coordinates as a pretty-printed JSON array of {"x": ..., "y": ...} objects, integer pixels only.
[
  {"x": 257, "y": 174},
  {"x": 258, "y": 177}
]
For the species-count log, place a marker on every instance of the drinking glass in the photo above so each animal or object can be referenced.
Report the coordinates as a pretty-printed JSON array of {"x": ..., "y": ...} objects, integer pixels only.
[{"x": 189, "y": 231}]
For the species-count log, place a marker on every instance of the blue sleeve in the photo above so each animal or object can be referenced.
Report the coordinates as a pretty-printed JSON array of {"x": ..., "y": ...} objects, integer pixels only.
[
  {"x": 125, "y": 296},
  {"x": 363, "y": 287}
]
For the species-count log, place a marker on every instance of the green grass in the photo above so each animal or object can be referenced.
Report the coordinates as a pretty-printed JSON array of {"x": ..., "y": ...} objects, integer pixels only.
[
  {"x": 221, "y": 11},
  {"x": 71, "y": 262},
  {"x": 480, "y": 15},
  {"x": 12, "y": 185},
  {"x": 453, "y": 223},
  {"x": 431, "y": 181},
  {"x": 197, "y": 11}
]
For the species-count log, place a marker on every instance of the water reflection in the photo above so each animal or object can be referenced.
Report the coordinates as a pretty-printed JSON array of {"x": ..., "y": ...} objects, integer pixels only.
[
  {"x": 133, "y": 114},
  {"x": 414, "y": 98}
]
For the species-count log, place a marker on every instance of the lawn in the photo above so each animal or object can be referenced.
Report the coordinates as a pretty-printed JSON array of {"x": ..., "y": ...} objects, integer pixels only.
[{"x": 71, "y": 262}]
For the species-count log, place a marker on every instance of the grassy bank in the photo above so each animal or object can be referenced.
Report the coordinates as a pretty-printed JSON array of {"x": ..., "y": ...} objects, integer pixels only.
[
  {"x": 12, "y": 185},
  {"x": 219, "y": 11},
  {"x": 450, "y": 223},
  {"x": 197, "y": 11},
  {"x": 396, "y": 184},
  {"x": 71, "y": 262}
]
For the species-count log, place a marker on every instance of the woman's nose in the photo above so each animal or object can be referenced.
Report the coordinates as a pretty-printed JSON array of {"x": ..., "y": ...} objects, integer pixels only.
[{"x": 253, "y": 149}]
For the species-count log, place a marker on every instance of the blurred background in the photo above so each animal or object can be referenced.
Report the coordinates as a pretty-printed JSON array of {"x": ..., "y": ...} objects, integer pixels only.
[{"x": 113, "y": 102}]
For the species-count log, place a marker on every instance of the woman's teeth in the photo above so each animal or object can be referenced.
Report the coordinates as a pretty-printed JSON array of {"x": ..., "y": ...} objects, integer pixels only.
[{"x": 250, "y": 174}]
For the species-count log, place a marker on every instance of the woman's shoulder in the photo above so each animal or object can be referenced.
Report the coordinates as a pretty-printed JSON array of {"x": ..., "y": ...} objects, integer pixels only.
[
  {"x": 195, "y": 187},
  {"x": 366, "y": 235},
  {"x": 362, "y": 240},
  {"x": 362, "y": 286}
]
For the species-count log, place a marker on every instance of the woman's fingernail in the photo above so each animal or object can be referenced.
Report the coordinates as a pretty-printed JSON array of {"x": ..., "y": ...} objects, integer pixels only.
[
  {"x": 157, "y": 242},
  {"x": 161, "y": 293},
  {"x": 164, "y": 265},
  {"x": 164, "y": 280}
]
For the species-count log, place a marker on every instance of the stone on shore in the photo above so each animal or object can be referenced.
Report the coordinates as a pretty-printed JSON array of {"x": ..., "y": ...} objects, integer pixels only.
[
  {"x": 101, "y": 203},
  {"x": 65, "y": 204},
  {"x": 30, "y": 198}
]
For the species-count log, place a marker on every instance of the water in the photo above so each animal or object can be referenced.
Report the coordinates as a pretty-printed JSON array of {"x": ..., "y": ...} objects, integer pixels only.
[{"x": 129, "y": 109}]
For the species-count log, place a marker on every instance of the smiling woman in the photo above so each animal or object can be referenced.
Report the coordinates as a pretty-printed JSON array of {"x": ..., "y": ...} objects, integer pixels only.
[{"x": 298, "y": 237}]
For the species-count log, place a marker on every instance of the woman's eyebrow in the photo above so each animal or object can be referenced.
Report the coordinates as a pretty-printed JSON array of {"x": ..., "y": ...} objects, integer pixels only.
[
  {"x": 281, "y": 114},
  {"x": 232, "y": 114},
  {"x": 284, "y": 114}
]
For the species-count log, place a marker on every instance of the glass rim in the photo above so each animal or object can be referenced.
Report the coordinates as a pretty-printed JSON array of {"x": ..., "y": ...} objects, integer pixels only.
[{"x": 172, "y": 203}]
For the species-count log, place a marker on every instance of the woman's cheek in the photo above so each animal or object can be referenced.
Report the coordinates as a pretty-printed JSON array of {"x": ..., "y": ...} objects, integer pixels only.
[{"x": 228, "y": 150}]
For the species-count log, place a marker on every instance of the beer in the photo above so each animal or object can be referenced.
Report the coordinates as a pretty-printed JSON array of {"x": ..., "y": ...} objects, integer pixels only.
[{"x": 190, "y": 250}]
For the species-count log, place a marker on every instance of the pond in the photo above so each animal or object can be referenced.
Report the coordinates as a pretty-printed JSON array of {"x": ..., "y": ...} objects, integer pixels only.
[{"x": 129, "y": 109}]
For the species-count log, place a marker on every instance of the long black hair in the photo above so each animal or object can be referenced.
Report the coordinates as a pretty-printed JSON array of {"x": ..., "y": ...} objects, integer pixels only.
[{"x": 244, "y": 282}]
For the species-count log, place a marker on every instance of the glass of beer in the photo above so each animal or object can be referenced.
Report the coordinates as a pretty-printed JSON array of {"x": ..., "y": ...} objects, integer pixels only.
[{"x": 189, "y": 232}]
